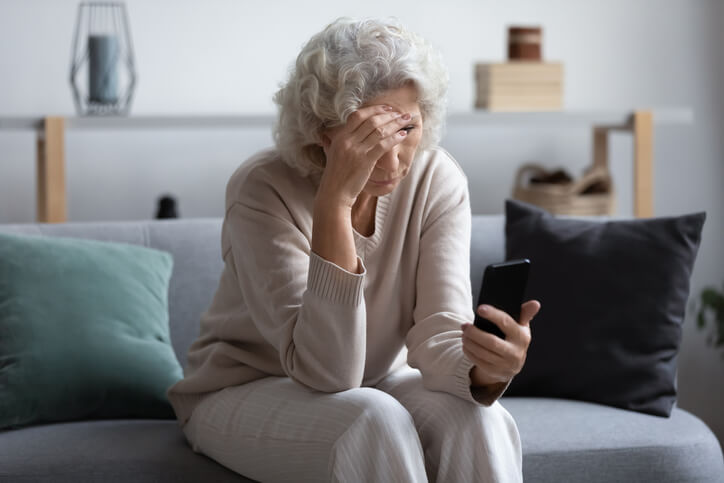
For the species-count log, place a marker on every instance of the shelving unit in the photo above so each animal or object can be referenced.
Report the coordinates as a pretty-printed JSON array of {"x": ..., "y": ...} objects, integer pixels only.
[{"x": 51, "y": 186}]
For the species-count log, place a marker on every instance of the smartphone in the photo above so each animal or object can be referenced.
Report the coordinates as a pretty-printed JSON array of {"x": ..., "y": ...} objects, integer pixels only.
[{"x": 503, "y": 287}]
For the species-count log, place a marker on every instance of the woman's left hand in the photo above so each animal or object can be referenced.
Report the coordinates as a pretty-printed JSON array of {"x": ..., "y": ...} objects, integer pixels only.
[{"x": 497, "y": 360}]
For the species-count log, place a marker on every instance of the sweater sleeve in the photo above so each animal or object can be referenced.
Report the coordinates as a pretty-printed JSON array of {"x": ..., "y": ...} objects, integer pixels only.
[
  {"x": 311, "y": 310},
  {"x": 444, "y": 300}
]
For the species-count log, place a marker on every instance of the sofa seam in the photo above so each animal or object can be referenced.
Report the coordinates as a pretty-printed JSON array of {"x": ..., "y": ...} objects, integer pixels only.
[{"x": 626, "y": 449}]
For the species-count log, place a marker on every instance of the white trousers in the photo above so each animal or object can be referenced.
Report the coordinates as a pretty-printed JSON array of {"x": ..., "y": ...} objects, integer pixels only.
[{"x": 274, "y": 429}]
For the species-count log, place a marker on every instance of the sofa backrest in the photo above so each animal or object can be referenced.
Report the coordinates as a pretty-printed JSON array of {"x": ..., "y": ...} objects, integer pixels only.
[{"x": 196, "y": 248}]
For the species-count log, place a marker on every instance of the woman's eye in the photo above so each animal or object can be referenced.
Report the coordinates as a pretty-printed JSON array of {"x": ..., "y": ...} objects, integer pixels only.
[{"x": 407, "y": 128}]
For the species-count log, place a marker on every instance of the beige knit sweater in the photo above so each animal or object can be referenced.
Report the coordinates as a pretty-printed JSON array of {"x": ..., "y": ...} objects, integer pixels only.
[{"x": 281, "y": 310}]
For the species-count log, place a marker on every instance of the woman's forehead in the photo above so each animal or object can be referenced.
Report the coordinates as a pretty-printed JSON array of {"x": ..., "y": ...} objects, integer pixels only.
[{"x": 403, "y": 99}]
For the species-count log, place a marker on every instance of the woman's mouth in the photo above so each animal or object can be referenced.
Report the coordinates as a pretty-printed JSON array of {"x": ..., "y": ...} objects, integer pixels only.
[{"x": 385, "y": 183}]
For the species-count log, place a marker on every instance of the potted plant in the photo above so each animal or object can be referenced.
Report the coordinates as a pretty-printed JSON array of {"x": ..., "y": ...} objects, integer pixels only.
[{"x": 711, "y": 309}]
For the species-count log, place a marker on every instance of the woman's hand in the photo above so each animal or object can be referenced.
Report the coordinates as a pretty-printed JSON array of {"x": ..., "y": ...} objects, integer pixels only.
[
  {"x": 353, "y": 149},
  {"x": 497, "y": 360}
]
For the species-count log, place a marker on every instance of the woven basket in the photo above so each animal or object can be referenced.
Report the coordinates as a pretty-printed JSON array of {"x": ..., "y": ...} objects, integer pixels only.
[{"x": 566, "y": 198}]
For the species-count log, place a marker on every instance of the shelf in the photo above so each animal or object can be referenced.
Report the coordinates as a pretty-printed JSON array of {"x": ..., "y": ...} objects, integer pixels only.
[
  {"x": 610, "y": 118},
  {"x": 144, "y": 122},
  {"x": 51, "y": 188},
  {"x": 622, "y": 118}
]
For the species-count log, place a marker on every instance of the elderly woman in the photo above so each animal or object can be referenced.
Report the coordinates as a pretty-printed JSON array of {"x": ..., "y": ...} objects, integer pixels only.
[{"x": 338, "y": 345}]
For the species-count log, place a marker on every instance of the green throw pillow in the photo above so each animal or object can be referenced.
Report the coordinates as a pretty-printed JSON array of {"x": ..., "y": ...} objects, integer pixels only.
[{"x": 83, "y": 331}]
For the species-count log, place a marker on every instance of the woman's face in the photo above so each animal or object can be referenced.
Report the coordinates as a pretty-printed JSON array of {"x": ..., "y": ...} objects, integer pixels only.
[{"x": 394, "y": 165}]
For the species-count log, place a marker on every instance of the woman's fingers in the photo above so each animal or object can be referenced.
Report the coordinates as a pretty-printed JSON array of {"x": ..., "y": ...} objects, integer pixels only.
[
  {"x": 491, "y": 371},
  {"x": 505, "y": 356},
  {"x": 369, "y": 121},
  {"x": 384, "y": 145},
  {"x": 369, "y": 126},
  {"x": 527, "y": 311},
  {"x": 382, "y": 127},
  {"x": 504, "y": 321},
  {"x": 482, "y": 353},
  {"x": 369, "y": 132},
  {"x": 490, "y": 364},
  {"x": 358, "y": 117},
  {"x": 489, "y": 342}
]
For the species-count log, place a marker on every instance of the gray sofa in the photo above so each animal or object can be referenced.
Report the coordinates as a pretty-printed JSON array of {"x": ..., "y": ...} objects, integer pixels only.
[{"x": 563, "y": 440}]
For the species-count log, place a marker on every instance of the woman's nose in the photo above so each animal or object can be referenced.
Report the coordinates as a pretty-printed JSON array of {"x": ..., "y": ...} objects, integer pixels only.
[{"x": 389, "y": 162}]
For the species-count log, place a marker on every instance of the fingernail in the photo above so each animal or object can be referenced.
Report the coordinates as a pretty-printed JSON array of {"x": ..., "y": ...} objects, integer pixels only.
[
  {"x": 406, "y": 116},
  {"x": 465, "y": 326},
  {"x": 387, "y": 108},
  {"x": 483, "y": 309}
]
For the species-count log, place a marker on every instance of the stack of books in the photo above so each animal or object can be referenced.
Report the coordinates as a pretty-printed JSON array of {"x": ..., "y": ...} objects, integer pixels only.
[{"x": 519, "y": 86}]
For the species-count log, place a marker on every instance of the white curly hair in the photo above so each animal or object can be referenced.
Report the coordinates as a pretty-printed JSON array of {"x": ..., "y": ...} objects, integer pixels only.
[{"x": 342, "y": 67}]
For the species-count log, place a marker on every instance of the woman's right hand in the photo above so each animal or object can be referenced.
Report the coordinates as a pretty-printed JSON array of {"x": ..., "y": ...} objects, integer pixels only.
[{"x": 352, "y": 150}]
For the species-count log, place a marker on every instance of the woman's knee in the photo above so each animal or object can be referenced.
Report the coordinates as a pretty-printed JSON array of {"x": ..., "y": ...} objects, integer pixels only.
[
  {"x": 378, "y": 409},
  {"x": 345, "y": 428},
  {"x": 381, "y": 441},
  {"x": 442, "y": 412}
]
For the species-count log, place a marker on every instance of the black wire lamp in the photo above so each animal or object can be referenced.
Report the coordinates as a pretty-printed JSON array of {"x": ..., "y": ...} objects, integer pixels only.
[{"x": 102, "y": 55}]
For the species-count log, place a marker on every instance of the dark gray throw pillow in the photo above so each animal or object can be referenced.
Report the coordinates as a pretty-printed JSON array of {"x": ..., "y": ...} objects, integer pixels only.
[{"x": 612, "y": 295}]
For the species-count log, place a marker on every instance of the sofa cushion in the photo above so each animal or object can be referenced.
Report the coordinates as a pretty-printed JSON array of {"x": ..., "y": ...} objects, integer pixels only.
[
  {"x": 562, "y": 441},
  {"x": 106, "y": 451},
  {"x": 613, "y": 296},
  {"x": 84, "y": 329},
  {"x": 566, "y": 440}
]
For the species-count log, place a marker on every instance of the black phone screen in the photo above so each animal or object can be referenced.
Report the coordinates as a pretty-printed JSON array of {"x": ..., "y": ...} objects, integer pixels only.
[{"x": 504, "y": 288}]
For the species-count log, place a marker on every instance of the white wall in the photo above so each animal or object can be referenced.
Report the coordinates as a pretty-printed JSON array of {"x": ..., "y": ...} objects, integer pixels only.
[{"x": 224, "y": 56}]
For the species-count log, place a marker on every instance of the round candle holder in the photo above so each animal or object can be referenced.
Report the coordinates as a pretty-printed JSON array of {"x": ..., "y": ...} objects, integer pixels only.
[{"x": 102, "y": 69}]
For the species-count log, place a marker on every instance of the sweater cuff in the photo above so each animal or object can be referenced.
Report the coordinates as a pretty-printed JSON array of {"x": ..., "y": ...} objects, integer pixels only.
[
  {"x": 481, "y": 395},
  {"x": 489, "y": 394},
  {"x": 330, "y": 281}
]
